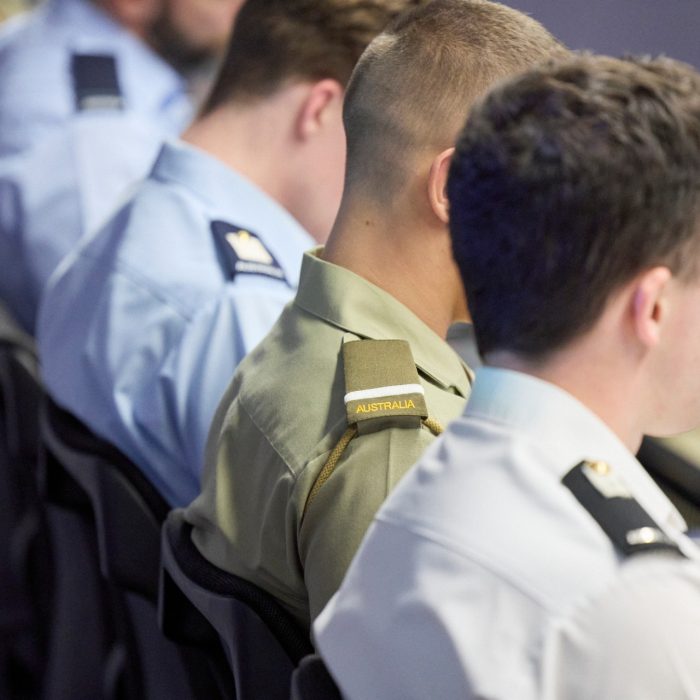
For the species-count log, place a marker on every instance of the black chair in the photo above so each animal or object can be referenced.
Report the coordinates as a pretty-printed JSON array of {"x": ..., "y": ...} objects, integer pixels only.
[
  {"x": 678, "y": 477},
  {"x": 312, "y": 681},
  {"x": 118, "y": 515},
  {"x": 203, "y": 604},
  {"x": 25, "y": 566}
]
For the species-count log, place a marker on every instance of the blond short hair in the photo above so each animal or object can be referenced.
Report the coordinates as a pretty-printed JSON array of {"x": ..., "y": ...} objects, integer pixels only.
[
  {"x": 275, "y": 42},
  {"x": 413, "y": 86}
]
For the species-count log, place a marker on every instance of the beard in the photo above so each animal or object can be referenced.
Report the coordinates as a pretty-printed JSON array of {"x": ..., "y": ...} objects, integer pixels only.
[{"x": 185, "y": 55}]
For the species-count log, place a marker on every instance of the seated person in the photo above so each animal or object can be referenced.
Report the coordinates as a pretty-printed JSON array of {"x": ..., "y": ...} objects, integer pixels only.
[
  {"x": 143, "y": 326},
  {"x": 355, "y": 379},
  {"x": 88, "y": 91},
  {"x": 500, "y": 568}
]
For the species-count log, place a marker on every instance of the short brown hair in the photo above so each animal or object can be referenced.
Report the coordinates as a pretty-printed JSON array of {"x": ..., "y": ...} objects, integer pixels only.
[
  {"x": 275, "y": 41},
  {"x": 415, "y": 83},
  {"x": 566, "y": 183}
]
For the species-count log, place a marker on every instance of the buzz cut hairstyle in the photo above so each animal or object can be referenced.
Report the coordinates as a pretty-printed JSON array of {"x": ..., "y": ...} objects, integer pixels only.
[
  {"x": 566, "y": 183},
  {"x": 275, "y": 42},
  {"x": 414, "y": 85}
]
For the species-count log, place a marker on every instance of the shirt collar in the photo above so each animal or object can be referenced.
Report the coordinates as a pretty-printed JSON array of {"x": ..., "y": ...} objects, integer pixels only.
[
  {"x": 232, "y": 198},
  {"x": 350, "y": 302},
  {"x": 560, "y": 423}
]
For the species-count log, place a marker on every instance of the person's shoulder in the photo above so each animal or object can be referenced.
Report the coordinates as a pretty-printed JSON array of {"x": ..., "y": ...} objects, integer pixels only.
[
  {"x": 647, "y": 579},
  {"x": 35, "y": 90},
  {"x": 638, "y": 637},
  {"x": 290, "y": 384}
]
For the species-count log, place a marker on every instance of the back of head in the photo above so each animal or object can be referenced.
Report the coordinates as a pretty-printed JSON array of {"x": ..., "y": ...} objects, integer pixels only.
[
  {"x": 568, "y": 182},
  {"x": 279, "y": 41},
  {"x": 413, "y": 87}
]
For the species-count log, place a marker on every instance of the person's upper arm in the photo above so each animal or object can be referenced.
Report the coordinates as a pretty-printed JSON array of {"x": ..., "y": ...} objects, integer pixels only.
[
  {"x": 180, "y": 401},
  {"x": 338, "y": 517},
  {"x": 416, "y": 619},
  {"x": 639, "y": 639}
]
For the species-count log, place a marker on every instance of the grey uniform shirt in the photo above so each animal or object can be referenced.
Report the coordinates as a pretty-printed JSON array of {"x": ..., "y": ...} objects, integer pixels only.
[{"x": 472, "y": 579}]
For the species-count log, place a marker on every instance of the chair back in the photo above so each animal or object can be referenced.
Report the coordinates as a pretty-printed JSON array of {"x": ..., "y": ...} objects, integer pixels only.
[
  {"x": 25, "y": 565},
  {"x": 678, "y": 477},
  {"x": 122, "y": 513},
  {"x": 312, "y": 681},
  {"x": 261, "y": 641}
]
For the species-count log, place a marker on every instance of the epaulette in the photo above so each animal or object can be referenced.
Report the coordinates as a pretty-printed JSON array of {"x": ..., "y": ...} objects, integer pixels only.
[
  {"x": 241, "y": 251},
  {"x": 606, "y": 497},
  {"x": 95, "y": 82},
  {"x": 382, "y": 390}
]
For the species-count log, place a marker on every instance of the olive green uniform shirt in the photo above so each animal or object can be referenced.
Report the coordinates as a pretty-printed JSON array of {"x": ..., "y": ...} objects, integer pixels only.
[{"x": 282, "y": 415}]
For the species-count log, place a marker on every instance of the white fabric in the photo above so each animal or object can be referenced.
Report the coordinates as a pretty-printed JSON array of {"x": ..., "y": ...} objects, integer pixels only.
[
  {"x": 472, "y": 580},
  {"x": 378, "y": 392}
]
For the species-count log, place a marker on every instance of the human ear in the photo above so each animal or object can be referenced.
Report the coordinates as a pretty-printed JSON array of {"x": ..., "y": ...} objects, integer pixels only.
[
  {"x": 322, "y": 103},
  {"x": 437, "y": 184},
  {"x": 650, "y": 304}
]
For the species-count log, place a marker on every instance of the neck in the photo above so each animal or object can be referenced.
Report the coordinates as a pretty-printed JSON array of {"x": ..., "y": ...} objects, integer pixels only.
[
  {"x": 586, "y": 371},
  {"x": 390, "y": 251},
  {"x": 252, "y": 140}
]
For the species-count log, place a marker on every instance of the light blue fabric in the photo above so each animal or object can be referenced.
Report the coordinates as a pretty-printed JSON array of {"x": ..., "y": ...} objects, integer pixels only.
[
  {"x": 141, "y": 327},
  {"x": 63, "y": 170}
]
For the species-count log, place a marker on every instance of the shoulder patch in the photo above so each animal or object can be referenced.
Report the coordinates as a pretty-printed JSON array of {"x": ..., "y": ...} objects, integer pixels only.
[
  {"x": 607, "y": 499},
  {"x": 382, "y": 385},
  {"x": 95, "y": 82},
  {"x": 242, "y": 252}
]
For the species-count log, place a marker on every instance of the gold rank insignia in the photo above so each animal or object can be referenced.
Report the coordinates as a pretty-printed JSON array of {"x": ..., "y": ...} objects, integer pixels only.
[
  {"x": 249, "y": 247},
  {"x": 240, "y": 251}
]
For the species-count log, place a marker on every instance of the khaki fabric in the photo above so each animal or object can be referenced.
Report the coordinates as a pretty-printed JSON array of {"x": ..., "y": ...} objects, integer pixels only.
[
  {"x": 280, "y": 418},
  {"x": 686, "y": 445}
]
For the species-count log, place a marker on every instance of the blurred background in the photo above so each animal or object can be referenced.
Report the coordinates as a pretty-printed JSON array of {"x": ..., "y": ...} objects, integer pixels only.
[
  {"x": 12, "y": 7},
  {"x": 607, "y": 26},
  {"x": 622, "y": 26}
]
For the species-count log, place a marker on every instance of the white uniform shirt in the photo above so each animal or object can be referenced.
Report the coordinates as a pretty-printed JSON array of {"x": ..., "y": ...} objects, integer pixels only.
[
  {"x": 63, "y": 168},
  {"x": 141, "y": 328},
  {"x": 470, "y": 582}
]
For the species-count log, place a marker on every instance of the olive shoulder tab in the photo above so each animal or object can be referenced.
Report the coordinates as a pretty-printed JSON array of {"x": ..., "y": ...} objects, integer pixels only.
[
  {"x": 382, "y": 388},
  {"x": 96, "y": 82},
  {"x": 604, "y": 494},
  {"x": 242, "y": 252}
]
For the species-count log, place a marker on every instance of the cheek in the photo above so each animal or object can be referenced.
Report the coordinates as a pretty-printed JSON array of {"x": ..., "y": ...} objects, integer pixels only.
[
  {"x": 205, "y": 23},
  {"x": 682, "y": 371}
]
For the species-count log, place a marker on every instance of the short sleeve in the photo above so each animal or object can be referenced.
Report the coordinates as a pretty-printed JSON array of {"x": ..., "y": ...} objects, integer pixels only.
[{"x": 337, "y": 519}]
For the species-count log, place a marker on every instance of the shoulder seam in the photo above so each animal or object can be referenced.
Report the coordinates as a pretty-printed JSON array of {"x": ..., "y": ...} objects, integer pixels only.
[{"x": 264, "y": 434}]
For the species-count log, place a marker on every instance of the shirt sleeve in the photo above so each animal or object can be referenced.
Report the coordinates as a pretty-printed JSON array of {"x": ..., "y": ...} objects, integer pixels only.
[
  {"x": 415, "y": 619},
  {"x": 639, "y": 639},
  {"x": 338, "y": 517},
  {"x": 176, "y": 407}
]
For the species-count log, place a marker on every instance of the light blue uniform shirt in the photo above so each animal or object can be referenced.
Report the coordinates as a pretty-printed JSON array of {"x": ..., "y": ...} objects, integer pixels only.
[
  {"x": 62, "y": 169},
  {"x": 142, "y": 326}
]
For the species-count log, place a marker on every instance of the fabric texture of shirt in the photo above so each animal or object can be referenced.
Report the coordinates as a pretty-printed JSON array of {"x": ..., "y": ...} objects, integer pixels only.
[
  {"x": 63, "y": 169},
  {"x": 141, "y": 328},
  {"x": 472, "y": 578},
  {"x": 276, "y": 425}
]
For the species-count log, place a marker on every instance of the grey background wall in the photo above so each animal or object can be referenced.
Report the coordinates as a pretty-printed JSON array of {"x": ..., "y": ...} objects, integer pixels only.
[{"x": 615, "y": 27}]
